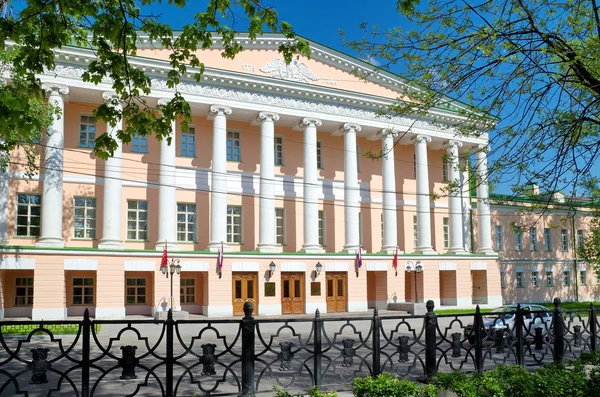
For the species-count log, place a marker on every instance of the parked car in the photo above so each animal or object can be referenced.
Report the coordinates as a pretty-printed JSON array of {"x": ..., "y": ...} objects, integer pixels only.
[{"x": 534, "y": 316}]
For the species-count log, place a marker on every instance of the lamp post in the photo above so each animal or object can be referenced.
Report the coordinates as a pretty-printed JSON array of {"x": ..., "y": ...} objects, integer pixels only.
[
  {"x": 318, "y": 269},
  {"x": 172, "y": 268},
  {"x": 416, "y": 267}
]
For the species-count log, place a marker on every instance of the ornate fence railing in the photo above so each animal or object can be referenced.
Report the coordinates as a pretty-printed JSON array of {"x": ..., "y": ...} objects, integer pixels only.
[{"x": 250, "y": 355}]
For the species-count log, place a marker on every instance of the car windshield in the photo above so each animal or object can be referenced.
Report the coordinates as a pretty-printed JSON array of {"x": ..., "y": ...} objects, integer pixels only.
[{"x": 501, "y": 313}]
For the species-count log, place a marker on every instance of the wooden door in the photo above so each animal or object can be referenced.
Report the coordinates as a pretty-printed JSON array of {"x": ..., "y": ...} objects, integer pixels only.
[
  {"x": 292, "y": 293},
  {"x": 336, "y": 292},
  {"x": 245, "y": 289}
]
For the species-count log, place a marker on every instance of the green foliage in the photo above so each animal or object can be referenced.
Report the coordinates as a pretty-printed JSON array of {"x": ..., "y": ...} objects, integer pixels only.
[
  {"x": 314, "y": 392},
  {"x": 558, "y": 381},
  {"x": 386, "y": 385},
  {"x": 114, "y": 29}
]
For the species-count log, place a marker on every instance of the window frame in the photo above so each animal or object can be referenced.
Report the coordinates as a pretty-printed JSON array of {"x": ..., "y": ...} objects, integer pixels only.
[
  {"x": 322, "y": 225},
  {"x": 86, "y": 142},
  {"x": 278, "y": 150},
  {"x": 499, "y": 235},
  {"x": 445, "y": 169},
  {"x": 566, "y": 278},
  {"x": 139, "y": 142},
  {"x": 547, "y": 239},
  {"x": 29, "y": 215},
  {"x": 186, "y": 223},
  {"x": 446, "y": 228},
  {"x": 583, "y": 277},
  {"x": 320, "y": 154},
  {"x": 415, "y": 232},
  {"x": 564, "y": 240},
  {"x": 231, "y": 156},
  {"x": 518, "y": 239},
  {"x": 136, "y": 294},
  {"x": 138, "y": 221},
  {"x": 183, "y": 291},
  {"x": 535, "y": 279},
  {"x": 502, "y": 279},
  {"x": 29, "y": 292},
  {"x": 85, "y": 218},
  {"x": 533, "y": 245},
  {"x": 231, "y": 217},
  {"x": 519, "y": 279},
  {"x": 83, "y": 294},
  {"x": 187, "y": 135},
  {"x": 549, "y": 279},
  {"x": 280, "y": 238},
  {"x": 580, "y": 239}
]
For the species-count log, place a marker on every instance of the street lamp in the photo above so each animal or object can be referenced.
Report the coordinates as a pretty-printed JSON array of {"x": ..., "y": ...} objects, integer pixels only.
[
  {"x": 171, "y": 269},
  {"x": 271, "y": 269},
  {"x": 319, "y": 268},
  {"x": 418, "y": 268}
]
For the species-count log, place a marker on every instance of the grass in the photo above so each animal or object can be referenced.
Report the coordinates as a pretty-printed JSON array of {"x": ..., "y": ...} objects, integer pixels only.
[
  {"x": 56, "y": 329},
  {"x": 549, "y": 305}
]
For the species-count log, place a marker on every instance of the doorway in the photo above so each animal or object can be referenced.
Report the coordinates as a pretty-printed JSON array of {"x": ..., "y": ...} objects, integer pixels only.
[
  {"x": 245, "y": 289},
  {"x": 336, "y": 292},
  {"x": 292, "y": 293}
]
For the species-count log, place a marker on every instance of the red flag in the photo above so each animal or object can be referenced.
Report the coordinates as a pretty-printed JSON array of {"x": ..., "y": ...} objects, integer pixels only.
[
  {"x": 220, "y": 257},
  {"x": 165, "y": 259},
  {"x": 395, "y": 261}
]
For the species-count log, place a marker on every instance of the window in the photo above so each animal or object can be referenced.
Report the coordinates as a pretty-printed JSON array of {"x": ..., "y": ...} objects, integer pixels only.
[
  {"x": 83, "y": 291},
  {"x": 415, "y": 232},
  {"x": 137, "y": 220},
  {"x": 23, "y": 291},
  {"x": 499, "y": 238},
  {"x": 28, "y": 215},
  {"x": 188, "y": 142},
  {"x": 564, "y": 240},
  {"x": 533, "y": 239},
  {"x": 445, "y": 169},
  {"x": 187, "y": 291},
  {"x": 234, "y": 224},
  {"x": 549, "y": 279},
  {"x": 87, "y": 131},
  {"x": 519, "y": 279},
  {"x": 139, "y": 144},
  {"x": 233, "y": 146},
  {"x": 186, "y": 222},
  {"x": 502, "y": 280},
  {"x": 84, "y": 222},
  {"x": 534, "y": 278},
  {"x": 319, "y": 155},
  {"x": 547, "y": 239},
  {"x": 280, "y": 226},
  {"x": 567, "y": 278},
  {"x": 446, "y": 232},
  {"x": 583, "y": 277},
  {"x": 278, "y": 150},
  {"x": 580, "y": 240},
  {"x": 415, "y": 165},
  {"x": 135, "y": 291},
  {"x": 518, "y": 239},
  {"x": 321, "y": 228}
]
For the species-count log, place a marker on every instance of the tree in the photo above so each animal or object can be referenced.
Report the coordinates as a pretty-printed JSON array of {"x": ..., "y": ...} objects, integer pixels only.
[
  {"x": 112, "y": 28},
  {"x": 527, "y": 72}
]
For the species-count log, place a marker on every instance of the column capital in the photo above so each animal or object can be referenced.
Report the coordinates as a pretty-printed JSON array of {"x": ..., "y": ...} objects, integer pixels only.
[
  {"x": 393, "y": 132},
  {"x": 347, "y": 127},
  {"x": 219, "y": 110},
  {"x": 267, "y": 116},
  {"x": 55, "y": 88},
  {"x": 452, "y": 143},
  {"x": 482, "y": 148},
  {"x": 111, "y": 98},
  {"x": 164, "y": 101},
  {"x": 308, "y": 122},
  {"x": 421, "y": 138}
]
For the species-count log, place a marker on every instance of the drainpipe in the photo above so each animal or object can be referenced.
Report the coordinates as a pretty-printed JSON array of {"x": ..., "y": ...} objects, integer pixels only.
[{"x": 576, "y": 270}]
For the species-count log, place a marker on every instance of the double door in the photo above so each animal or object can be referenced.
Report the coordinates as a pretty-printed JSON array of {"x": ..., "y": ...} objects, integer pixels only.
[
  {"x": 336, "y": 292},
  {"x": 245, "y": 289},
  {"x": 292, "y": 293}
]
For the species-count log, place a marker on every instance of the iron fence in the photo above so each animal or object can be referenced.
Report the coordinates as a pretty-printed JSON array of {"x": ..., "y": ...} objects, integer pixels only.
[{"x": 250, "y": 355}]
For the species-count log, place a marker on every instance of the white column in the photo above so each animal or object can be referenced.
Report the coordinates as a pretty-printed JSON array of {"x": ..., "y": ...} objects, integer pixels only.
[
  {"x": 167, "y": 193},
  {"x": 311, "y": 191},
  {"x": 454, "y": 200},
  {"x": 466, "y": 203},
  {"x": 423, "y": 203},
  {"x": 266, "y": 226},
  {"x": 52, "y": 193},
  {"x": 483, "y": 204},
  {"x": 390, "y": 224},
  {"x": 218, "y": 189},
  {"x": 113, "y": 187},
  {"x": 351, "y": 189}
]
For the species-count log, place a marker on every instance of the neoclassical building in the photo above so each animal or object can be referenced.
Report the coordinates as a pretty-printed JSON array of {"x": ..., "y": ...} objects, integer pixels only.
[{"x": 272, "y": 169}]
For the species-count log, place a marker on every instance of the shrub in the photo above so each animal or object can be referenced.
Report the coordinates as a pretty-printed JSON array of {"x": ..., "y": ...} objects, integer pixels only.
[
  {"x": 386, "y": 385},
  {"x": 458, "y": 382},
  {"x": 558, "y": 381},
  {"x": 314, "y": 392}
]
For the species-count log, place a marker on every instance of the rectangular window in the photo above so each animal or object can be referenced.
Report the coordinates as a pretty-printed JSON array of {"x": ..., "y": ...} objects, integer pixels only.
[
  {"x": 549, "y": 279},
  {"x": 519, "y": 279},
  {"x": 83, "y": 291},
  {"x": 280, "y": 226},
  {"x": 502, "y": 280},
  {"x": 518, "y": 239},
  {"x": 567, "y": 278},
  {"x": 415, "y": 232},
  {"x": 233, "y": 146},
  {"x": 321, "y": 228},
  {"x": 278, "y": 150},
  {"x": 137, "y": 220},
  {"x": 533, "y": 239},
  {"x": 84, "y": 219},
  {"x": 28, "y": 215},
  {"x": 499, "y": 238},
  {"x": 23, "y": 291},
  {"x": 87, "y": 131},
  {"x": 547, "y": 239},
  {"x": 445, "y": 169},
  {"x": 135, "y": 291},
  {"x": 188, "y": 142},
  {"x": 446, "y": 232},
  {"x": 564, "y": 240},
  {"x": 139, "y": 144},
  {"x": 534, "y": 279},
  {"x": 583, "y": 277},
  {"x": 186, "y": 222},
  {"x": 319, "y": 154},
  {"x": 580, "y": 240},
  {"x": 234, "y": 224},
  {"x": 187, "y": 291}
]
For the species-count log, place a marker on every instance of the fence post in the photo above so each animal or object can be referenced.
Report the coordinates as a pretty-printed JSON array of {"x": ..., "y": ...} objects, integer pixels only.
[
  {"x": 169, "y": 359},
  {"x": 477, "y": 327},
  {"x": 519, "y": 334},
  {"x": 430, "y": 341},
  {"x": 559, "y": 332},
  {"x": 318, "y": 354},
  {"x": 86, "y": 328},
  {"x": 593, "y": 330},
  {"x": 248, "y": 328},
  {"x": 376, "y": 343}
]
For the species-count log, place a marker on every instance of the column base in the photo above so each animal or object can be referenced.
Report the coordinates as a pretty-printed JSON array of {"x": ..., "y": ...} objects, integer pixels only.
[
  {"x": 312, "y": 249},
  {"x": 269, "y": 248},
  {"x": 351, "y": 249},
  {"x": 459, "y": 250},
  {"x": 486, "y": 251},
  {"x": 391, "y": 250},
  {"x": 110, "y": 313},
  {"x": 216, "y": 247},
  {"x": 50, "y": 242},
  {"x": 111, "y": 245},
  {"x": 426, "y": 251},
  {"x": 160, "y": 245}
]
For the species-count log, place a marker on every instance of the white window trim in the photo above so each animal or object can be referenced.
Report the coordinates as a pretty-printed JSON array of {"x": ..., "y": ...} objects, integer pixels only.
[
  {"x": 29, "y": 206},
  {"x": 137, "y": 220},
  {"x": 284, "y": 220},
  {"x": 320, "y": 155},
  {"x": 323, "y": 219},
  {"x": 239, "y": 138},
  {"x": 181, "y": 141},
  {"x": 79, "y": 145},
  {"x": 275, "y": 144},
  {"x": 85, "y": 217},
  {"x": 186, "y": 223},
  {"x": 241, "y": 216}
]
